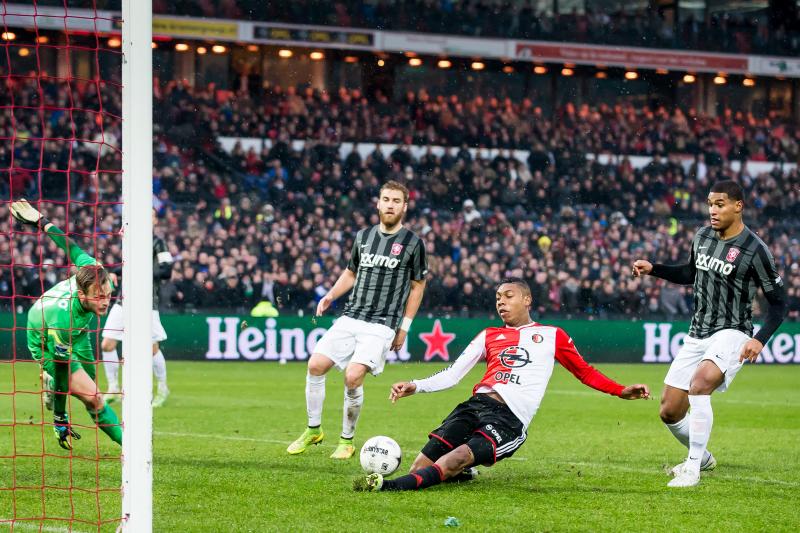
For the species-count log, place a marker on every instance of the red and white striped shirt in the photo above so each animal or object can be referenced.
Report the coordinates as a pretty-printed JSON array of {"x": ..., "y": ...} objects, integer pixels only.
[{"x": 519, "y": 363}]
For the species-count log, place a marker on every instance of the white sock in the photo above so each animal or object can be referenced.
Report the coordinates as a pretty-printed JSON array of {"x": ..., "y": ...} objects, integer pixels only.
[
  {"x": 680, "y": 430},
  {"x": 701, "y": 419},
  {"x": 315, "y": 397},
  {"x": 160, "y": 369},
  {"x": 111, "y": 364},
  {"x": 353, "y": 400}
]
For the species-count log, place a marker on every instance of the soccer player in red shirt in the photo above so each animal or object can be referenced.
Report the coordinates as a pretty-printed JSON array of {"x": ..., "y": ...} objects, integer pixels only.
[{"x": 492, "y": 424}]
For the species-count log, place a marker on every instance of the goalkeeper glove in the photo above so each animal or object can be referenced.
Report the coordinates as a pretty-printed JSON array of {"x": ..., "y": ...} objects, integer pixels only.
[
  {"x": 64, "y": 432},
  {"x": 27, "y": 214}
]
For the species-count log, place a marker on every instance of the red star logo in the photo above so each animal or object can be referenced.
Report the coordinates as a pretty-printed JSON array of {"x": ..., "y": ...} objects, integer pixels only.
[{"x": 436, "y": 342}]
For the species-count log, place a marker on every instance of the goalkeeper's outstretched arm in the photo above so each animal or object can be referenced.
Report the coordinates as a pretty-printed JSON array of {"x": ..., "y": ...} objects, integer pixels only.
[{"x": 27, "y": 214}]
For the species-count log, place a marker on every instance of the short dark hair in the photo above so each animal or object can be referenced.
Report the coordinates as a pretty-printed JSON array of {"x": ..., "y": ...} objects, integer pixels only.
[
  {"x": 731, "y": 188},
  {"x": 519, "y": 282},
  {"x": 89, "y": 276},
  {"x": 396, "y": 186}
]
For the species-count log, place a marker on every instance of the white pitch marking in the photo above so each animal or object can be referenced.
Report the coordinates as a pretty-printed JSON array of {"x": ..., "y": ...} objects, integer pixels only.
[
  {"x": 30, "y": 525},
  {"x": 718, "y": 399}
]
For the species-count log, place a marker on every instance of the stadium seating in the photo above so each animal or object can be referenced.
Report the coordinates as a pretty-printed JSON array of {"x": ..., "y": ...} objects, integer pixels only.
[{"x": 251, "y": 225}]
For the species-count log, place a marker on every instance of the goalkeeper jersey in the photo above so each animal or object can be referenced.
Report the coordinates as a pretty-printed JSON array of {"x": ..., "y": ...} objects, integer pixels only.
[{"x": 58, "y": 325}]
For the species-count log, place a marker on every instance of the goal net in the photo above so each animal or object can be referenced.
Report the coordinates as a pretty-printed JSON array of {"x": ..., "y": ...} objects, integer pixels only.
[{"x": 65, "y": 100}]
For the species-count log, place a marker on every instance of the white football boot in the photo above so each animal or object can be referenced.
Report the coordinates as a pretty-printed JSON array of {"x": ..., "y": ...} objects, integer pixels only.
[
  {"x": 687, "y": 477},
  {"x": 706, "y": 466}
]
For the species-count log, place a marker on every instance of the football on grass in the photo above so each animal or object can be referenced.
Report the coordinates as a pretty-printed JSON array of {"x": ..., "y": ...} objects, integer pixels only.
[{"x": 380, "y": 455}]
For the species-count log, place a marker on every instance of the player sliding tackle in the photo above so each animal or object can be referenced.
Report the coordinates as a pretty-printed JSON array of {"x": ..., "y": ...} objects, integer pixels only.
[
  {"x": 493, "y": 424},
  {"x": 58, "y": 333}
]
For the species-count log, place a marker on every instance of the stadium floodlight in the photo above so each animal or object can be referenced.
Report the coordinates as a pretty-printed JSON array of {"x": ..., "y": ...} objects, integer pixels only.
[
  {"x": 689, "y": 78},
  {"x": 137, "y": 271}
]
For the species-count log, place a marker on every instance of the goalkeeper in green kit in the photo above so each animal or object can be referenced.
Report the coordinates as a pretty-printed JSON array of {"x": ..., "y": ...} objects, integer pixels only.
[{"x": 58, "y": 333}]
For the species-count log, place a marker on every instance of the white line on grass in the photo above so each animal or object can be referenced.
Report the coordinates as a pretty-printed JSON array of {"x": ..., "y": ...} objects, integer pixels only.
[
  {"x": 589, "y": 464},
  {"x": 717, "y": 399},
  {"x": 218, "y": 437},
  {"x": 29, "y": 524},
  {"x": 658, "y": 472}
]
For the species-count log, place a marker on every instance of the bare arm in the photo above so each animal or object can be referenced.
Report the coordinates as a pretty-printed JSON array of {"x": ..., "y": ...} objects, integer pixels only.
[
  {"x": 412, "y": 306},
  {"x": 414, "y": 298},
  {"x": 340, "y": 288}
]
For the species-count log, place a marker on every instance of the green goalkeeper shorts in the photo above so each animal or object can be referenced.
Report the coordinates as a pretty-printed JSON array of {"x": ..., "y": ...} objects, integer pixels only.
[{"x": 49, "y": 366}]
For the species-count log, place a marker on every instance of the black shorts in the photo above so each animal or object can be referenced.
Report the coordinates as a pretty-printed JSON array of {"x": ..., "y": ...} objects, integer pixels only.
[{"x": 487, "y": 426}]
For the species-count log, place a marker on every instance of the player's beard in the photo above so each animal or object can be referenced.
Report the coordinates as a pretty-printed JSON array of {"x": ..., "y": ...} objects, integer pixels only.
[{"x": 390, "y": 221}]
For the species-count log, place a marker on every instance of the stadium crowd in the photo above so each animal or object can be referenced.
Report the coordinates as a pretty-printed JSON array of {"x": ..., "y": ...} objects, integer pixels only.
[
  {"x": 492, "y": 122},
  {"x": 277, "y": 225}
]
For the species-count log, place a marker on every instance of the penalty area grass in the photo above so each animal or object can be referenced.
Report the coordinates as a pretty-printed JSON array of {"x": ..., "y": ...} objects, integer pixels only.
[{"x": 591, "y": 462}]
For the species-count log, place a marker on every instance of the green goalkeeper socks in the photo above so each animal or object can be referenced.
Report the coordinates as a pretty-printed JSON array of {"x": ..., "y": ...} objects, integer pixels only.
[
  {"x": 61, "y": 386},
  {"x": 107, "y": 420}
]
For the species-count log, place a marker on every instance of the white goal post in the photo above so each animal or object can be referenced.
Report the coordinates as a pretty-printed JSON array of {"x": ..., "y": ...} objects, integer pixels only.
[{"x": 137, "y": 270}]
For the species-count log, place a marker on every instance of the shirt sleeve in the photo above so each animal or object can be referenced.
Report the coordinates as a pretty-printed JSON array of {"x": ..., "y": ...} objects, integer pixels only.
[
  {"x": 765, "y": 271},
  {"x": 78, "y": 257},
  {"x": 450, "y": 376},
  {"x": 163, "y": 260},
  {"x": 419, "y": 262},
  {"x": 355, "y": 254},
  {"x": 680, "y": 274},
  {"x": 568, "y": 356},
  {"x": 766, "y": 274}
]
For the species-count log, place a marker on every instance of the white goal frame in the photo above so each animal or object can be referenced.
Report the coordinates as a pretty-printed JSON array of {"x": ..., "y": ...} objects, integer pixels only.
[{"x": 137, "y": 269}]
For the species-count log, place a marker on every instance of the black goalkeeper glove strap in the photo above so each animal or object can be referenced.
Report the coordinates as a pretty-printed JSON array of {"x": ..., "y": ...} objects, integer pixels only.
[{"x": 43, "y": 222}]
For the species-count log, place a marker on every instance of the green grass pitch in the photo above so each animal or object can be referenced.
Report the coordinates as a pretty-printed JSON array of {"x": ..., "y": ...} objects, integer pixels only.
[{"x": 591, "y": 462}]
